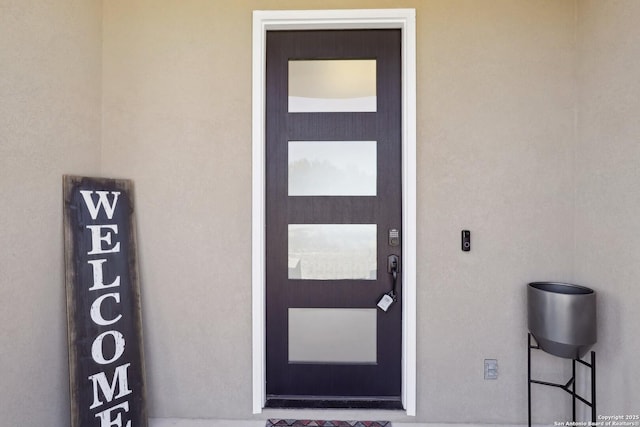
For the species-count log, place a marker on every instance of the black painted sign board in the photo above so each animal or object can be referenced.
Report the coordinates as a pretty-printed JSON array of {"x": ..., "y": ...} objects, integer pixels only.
[{"x": 106, "y": 361}]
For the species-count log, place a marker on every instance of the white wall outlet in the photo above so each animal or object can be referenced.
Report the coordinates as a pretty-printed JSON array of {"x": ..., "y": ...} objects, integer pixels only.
[{"x": 490, "y": 369}]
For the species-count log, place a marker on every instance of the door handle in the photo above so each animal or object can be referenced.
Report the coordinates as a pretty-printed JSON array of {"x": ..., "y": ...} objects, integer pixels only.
[
  {"x": 393, "y": 268},
  {"x": 393, "y": 264}
]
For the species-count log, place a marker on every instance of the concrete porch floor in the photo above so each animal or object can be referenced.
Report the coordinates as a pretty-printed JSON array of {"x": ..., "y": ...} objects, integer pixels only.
[{"x": 181, "y": 422}]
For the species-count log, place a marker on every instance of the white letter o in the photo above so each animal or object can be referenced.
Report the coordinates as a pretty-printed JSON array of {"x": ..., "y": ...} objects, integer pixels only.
[{"x": 96, "y": 347}]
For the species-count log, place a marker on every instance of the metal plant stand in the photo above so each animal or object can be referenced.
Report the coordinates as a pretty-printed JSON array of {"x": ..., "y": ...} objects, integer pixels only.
[{"x": 570, "y": 386}]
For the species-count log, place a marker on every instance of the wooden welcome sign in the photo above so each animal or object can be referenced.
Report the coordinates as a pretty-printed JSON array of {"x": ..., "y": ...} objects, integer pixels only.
[{"x": 106, "y": 363}]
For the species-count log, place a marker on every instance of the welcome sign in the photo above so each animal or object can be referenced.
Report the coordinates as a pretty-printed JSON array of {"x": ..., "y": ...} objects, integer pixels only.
[{"x": 106, "y": 363}]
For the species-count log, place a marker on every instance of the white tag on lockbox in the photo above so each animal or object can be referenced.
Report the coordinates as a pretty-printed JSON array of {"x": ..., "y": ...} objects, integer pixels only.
[{"x": 385, "y": 302}]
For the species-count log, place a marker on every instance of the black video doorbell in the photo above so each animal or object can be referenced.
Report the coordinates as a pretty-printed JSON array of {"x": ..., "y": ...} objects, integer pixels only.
[{"x": 466, "y": 240}]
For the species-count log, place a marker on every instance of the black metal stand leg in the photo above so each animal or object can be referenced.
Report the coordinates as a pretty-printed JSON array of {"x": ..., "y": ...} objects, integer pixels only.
[
  {"x": 593, "y": 386},
  {"x": 529, "y": 375},
  {"x": 573, "y": 389}
]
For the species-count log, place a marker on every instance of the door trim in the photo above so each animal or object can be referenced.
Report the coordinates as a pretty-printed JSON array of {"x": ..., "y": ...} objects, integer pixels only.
[{"x": 263, "y": 21}]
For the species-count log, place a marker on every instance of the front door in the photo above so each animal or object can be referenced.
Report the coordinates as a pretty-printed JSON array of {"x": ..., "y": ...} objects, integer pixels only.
[{"x": 333, "y": 218}]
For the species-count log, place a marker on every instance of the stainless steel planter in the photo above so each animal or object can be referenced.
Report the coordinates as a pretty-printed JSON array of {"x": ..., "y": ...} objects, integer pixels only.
[{"x": 562, "y": 318}]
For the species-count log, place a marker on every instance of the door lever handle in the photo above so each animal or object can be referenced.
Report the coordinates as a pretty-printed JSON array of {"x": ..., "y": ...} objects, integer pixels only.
[
  {"x": 393, "y": 264},
  {"x": 393, "y": 267}
]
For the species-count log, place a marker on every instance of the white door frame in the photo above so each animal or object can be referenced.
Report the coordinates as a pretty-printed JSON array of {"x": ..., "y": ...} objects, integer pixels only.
[{"x": 403, "y": 19}]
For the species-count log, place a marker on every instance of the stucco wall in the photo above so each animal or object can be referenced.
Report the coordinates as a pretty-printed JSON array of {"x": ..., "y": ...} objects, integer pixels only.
[
  {"x": 177, "y": 120},
  {"x": 495, "y": 107},
  {"x": 608, "y": 190},
  {"x": 50, "y": 68}
]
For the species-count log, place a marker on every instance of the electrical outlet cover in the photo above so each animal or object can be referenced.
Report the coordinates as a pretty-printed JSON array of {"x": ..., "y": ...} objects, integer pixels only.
[{"x": 490, "y": 369}]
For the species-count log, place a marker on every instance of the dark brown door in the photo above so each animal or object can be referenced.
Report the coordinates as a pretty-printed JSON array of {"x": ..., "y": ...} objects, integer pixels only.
[{"x": 333, "y": 213}]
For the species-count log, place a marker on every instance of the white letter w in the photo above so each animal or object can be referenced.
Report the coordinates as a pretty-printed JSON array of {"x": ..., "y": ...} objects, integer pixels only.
[{"x": 102, "y": 201}]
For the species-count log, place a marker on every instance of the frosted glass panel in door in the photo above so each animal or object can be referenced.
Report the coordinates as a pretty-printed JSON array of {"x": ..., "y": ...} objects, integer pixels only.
[
  {"x": 332, "y": 335},
  {"x": 332, "y": 168},
  {"x": 332, "y": 85},
  {"x": 332, "y": 251}
]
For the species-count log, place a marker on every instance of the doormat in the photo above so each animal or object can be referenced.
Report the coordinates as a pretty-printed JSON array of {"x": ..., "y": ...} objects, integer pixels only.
[{"x": 324, "y": 423}]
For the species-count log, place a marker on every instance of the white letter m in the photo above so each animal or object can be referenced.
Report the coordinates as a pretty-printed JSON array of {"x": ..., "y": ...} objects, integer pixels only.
[{"x": 108, "y": 390}]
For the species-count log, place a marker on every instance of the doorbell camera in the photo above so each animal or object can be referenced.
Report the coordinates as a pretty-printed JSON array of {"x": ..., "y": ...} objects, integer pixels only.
[{"x": 466, "y": 240}]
